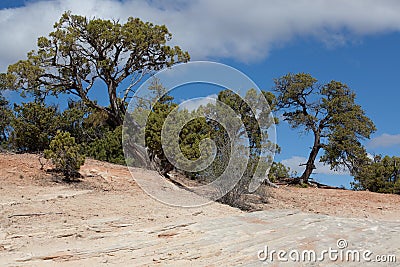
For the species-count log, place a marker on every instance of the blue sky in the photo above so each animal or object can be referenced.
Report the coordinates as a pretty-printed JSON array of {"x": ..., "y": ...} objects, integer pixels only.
[{"x": 356, "y": 42}]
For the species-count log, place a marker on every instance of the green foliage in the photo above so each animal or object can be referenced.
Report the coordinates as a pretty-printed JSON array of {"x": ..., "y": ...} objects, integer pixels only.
[
  {"x": 81, "y": 51},
  {"x": 346, "y": 126},
  {"x": 89, "y": 128},
  {"x": 379, "y": 175},
  {"x": 191, "y": 135},
  {"x": 34, "y": 125},
  {"x": 74, "y": 120},
  {"x": 328, "y": 111},
  {"x": 154, "y": 125},
  {"x": 302, "y": 185},
  {"x": 108, "y": 147},
  {"x": 84, "y": 123},
  {"x": 184, "y": 133},
  {"x": 255, "y": 126},
  {"x": 65, "y": 155},
  {"x": 278, "y": 171},
  {"x": 244, "y": 125},
  {"x": 6, "y": 116},
  {"x": 199, "y": 128}
]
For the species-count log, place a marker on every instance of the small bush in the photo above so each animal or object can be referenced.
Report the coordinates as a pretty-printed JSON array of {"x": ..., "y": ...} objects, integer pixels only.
[{"x": 65, "y": 155}]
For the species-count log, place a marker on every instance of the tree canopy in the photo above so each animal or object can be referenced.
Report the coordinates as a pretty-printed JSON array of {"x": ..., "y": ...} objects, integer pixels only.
[
  {"x": 82, "y": 56},
  {"x": 381, "y": 174},
  {"x": 5, "y": 119},
  {"x": 65, "y": 155},
  {"x": 34, "y": 125},
  {"x": 328, "y": 111},
  {"x": 81, "y": 51}
]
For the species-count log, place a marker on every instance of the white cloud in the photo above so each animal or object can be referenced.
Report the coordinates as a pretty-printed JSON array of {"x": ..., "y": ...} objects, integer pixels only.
[
  {"x": 242, "y": 30},
  {"x": 295, "y": 161},
  {"x": 370, "y": 156},
  {"x": 385, "y": 140},
  {"x": 195, "y": 103}
]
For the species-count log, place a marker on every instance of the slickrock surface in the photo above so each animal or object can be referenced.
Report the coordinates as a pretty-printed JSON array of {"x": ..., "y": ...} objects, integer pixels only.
[{"x": 107, "y": 220}]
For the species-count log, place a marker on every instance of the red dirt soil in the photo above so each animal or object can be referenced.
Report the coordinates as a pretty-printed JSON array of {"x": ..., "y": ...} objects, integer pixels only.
[{"x": 25, "y": 170}]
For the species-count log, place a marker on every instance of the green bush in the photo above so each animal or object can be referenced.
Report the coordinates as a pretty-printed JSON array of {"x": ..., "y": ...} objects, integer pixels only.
[
  {"x": 34, "y": 125},
  {"x": 279, "y": 171},
  {"x": 380, "y": 175},
  {"x": 65, "y": 155},
  {"x": 108, "y": 147},
  {"x": 5, "y": 119}
]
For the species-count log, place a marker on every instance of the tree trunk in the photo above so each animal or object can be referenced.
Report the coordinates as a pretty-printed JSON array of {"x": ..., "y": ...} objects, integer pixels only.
[
  {"x": 269, "y": 183},
  {"x": 310, "y": 166},
  {"x": 116, "y": 115},
  {"x": 114, "y": 120},
  {"x": 136, "y": 156}
]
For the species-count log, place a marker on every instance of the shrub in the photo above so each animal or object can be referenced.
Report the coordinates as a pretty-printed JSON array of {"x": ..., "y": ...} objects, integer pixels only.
[
  {"x": 108, "y": 147},
  {"x": 382, "y": 175},
  {"x": 279, "y": 171},
  {"x": 5, "y": 120},
  {"x": 34, "y": 125},
  {"x": 65, "y": 155}
]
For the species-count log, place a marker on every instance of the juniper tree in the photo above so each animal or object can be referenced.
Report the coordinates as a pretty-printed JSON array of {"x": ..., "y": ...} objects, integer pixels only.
[
  {"x": 34, "y": 125},
  {"x": 65, "y": 155},
  {"x": 6, "y": 116},
  {"x": 330, "y": 113},
  {"x": 82, "y": 54},
  {"x": 244, "y": 125},
  {"x": 382, "y": 174}
]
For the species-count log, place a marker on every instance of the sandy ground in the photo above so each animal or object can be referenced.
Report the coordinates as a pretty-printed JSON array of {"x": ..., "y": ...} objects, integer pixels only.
[
  {"x": 24, "y": 171},
  {"x": 39, "y": 213},
  {"x": 105, "y": 190},
  {"x": 343, "y": 203}
]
